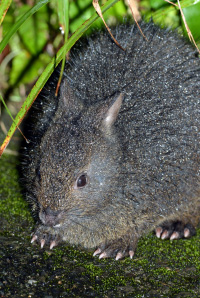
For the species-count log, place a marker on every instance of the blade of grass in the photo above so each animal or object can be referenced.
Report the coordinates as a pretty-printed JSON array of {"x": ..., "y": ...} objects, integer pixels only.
[
  {"x": 15, "y": 27},
  {"x": 98, "y": 10},
  {"x": 63, "y": 14},
  {"x": 4, "y": 5},
  {"x": 48, "y": 71},
  {"x": 192, "y": 16},
  {"x": 7, "y": 109}
]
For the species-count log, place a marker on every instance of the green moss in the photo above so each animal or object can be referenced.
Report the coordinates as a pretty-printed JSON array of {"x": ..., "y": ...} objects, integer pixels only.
[
  {"x": 93, "y": 270},
  {"x": 15, "y": 214},
  {"x": 11, "y": 203}
]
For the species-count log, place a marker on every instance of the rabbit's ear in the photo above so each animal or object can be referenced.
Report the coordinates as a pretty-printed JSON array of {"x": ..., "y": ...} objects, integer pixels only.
[
  {"x": 68, "y": 103},
  {"x": 112, "y": 112}
]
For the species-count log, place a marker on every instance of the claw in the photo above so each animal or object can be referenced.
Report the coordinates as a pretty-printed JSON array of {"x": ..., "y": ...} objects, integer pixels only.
[
  {"x": 34, "y": 238},
  {"x": 158, "y": 232},
  {"x": 42, "y": 243},
  {"x": 103, "y": 255},
  {"x": 186, "y": 233},
  {"x": 119, "y": 256},
  {"x": 97, "y": 251},
  {"x": 175, "y": 235},
  {"x": 165, "y": 235},
  {"x": 52, "y": 244},
  {"x": 131, "y": 254}
]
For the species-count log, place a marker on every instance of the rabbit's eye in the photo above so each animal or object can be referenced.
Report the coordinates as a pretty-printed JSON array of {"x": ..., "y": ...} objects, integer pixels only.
[{"x": 82, "y": 180}]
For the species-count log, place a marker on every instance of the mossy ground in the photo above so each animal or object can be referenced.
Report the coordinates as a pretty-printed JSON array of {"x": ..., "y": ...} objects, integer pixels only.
[{"x": 158, "y": 269}]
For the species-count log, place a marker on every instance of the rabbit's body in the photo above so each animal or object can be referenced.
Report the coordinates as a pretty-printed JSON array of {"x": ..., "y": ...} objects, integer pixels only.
[{"x": 118, "y": 156}]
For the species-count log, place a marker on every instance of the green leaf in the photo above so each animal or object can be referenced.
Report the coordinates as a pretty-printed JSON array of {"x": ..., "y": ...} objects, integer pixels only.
[
  {"x": 4, "y": 5},
  {"x": 192, "y": 16},
  {"x": 17, "y": 25},
  {"x": 25, "y": 69},
  {"x": 155, "y": 4},
  {"x": 34, "y": 34}
]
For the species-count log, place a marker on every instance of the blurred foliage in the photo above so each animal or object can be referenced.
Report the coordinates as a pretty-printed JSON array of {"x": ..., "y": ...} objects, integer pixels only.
[{"x": 39, "y": 38}]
